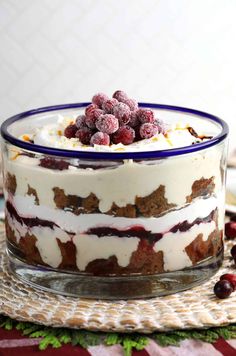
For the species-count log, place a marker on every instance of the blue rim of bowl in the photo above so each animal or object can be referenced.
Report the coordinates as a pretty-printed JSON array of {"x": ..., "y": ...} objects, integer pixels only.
[{"x": 113, "y": 155}]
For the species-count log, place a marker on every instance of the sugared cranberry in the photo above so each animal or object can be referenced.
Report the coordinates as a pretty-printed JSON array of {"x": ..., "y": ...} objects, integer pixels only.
[
  {"x": 70, "y": 131},
  {"x": 107, "y": 123},
  {"x": 122, "y": 112},
  {"x": 92, "y": 116},
  {"x": 231, "y": 278},
  {"x": 53, "y": 163},
  {"x": 124, "y": 135},
  {"x": 132, "y": 104},
  {"x": 100, "y": 138},
  {"x": 89, "y": 108},
  {"x": 134, "y": 120},
  {"x": 80, "y": 121},
  {"x": 148, "y": 130},
  {"x": 120, "y": 96},
  {"x": 137, "y": 133},
  {"x": 109, "y": 105},
  {"x": 223, "y": 289},
  {"x": 84, "y": 135},
  {"x": 146, "y": 115},
  {"x": 162, "y": 127},
  {"x": 99, "y": 98},
  {"x": 233, "y": 252},
  {"x": 230, "y": 230}
]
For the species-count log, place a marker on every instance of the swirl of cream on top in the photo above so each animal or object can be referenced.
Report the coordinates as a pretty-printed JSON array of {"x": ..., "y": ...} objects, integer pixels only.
[{"x": 51, "y": 135}]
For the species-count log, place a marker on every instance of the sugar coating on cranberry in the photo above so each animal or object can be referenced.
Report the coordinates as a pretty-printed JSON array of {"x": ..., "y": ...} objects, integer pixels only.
[
  {"x": 124, "y": 135},
  {"x": 132, "y": 104},
  {"x": 84, "y": 135},
  {"x": 70, "y": 131},
  {"x": 122, "y": 112},
  {"x": 92, "y": 116},
  {"x": 120, "y": 96},
  {"x": 107, "y": 123},
  {"x": 134, "y": 120},
  {"x": 100, "y": 138},
  {"x": 146, "y": 115},
  {"x": 89, "y": 108},
  {"x": 99, "y": 98},
  {"x": 148, "y": 130},
  {"x": 223, "y": 289},
  {"x": 162, "y": 127},
  {"x": 108, "y": 105},
  {"x": 80, "y": 121}
]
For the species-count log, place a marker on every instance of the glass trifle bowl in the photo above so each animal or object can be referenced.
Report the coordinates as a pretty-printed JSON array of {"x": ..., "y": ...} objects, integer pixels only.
[{"x": 131, "y": 222}]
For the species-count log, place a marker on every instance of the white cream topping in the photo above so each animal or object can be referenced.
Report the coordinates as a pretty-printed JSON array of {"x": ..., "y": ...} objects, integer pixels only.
[
  {"x": 70, "y": 222},
  {"x": 51, "y": 135},
  {"x": 173, "y": 245},
  {"x": 122, "y": 184},
  {"x": 91, "y": 247}
]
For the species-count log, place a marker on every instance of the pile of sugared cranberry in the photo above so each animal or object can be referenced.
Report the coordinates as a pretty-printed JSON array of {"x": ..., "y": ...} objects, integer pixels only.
[
  {"x": 115, "y": 120},
  {"x": 227, "y": 283}
]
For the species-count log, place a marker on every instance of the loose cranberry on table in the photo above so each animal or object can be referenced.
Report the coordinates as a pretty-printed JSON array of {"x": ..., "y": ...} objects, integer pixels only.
[
  {"x": 223, "y": 289},
  {"x": 233, "y": 252},
  {"x": 231, "y": 278},
  {"x": 230, "y": 229}
]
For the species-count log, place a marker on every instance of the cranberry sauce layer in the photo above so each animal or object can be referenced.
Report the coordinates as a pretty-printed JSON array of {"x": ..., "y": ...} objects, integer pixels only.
[{"x": 146, "y": 253}]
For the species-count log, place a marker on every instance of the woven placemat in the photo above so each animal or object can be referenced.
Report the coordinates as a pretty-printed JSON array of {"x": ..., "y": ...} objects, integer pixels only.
[{"x": 195, "y": 308}]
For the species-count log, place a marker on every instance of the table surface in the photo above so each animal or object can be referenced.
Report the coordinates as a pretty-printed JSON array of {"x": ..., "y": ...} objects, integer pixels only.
[{"x": 12, "y": 343}]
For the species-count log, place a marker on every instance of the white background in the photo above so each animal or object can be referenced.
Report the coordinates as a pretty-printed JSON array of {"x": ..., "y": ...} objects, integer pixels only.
[{"x": 167, "y": 51}]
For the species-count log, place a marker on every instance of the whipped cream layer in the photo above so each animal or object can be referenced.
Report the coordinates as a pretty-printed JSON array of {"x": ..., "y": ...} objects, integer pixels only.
[
  {"x": 51, "y": 135},
  {"x": 92, "y": 247},
  {"x": 122, "y": 184},
  {"x": 67, "y": 221}
]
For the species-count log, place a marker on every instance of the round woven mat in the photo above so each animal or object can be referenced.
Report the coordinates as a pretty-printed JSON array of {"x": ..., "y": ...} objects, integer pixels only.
[{"x": 195, "y": 308}]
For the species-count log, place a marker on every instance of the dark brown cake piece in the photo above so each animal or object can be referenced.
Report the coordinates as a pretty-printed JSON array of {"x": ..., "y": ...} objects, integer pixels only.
[
  {"x": 90, "y": 203},
  {"x": 26, "y": 246},
  {"x": 128, "y": 211},
  {"x": 198, "y": 250},
  {"x": 153, "y": 204},
  {"x": 32, "y": 191},
  {"x": 63, "y": 201},
  {"x": 201, "y": 187},
  {"x": 10, "y": 183}
]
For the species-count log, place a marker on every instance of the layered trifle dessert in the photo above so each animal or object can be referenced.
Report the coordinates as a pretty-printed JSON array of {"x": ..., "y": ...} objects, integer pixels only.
[{"x": 110, "y": 189}]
